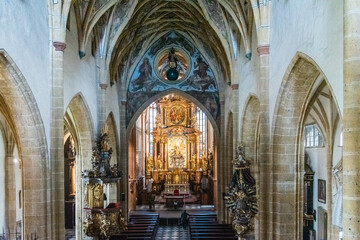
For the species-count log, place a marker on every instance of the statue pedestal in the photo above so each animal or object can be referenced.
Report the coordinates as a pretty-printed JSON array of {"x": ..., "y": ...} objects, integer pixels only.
[
  {"x": 198, "y": 176},
  {"x": 155, "y": 175}
]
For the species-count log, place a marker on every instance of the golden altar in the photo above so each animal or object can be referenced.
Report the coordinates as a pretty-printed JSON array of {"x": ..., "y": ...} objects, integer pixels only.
[{"x": 175, "y": 159}]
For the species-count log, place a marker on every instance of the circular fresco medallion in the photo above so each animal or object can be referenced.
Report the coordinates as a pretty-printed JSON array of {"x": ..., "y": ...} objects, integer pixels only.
[
  {"x": 172, "y": 64},
  {"x": 177, "y": 115}
]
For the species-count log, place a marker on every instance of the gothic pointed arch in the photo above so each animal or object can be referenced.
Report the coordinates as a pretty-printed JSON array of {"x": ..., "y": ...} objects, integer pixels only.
[
  {"x": 23, "y": 115},
  {"x": 294, "y": 98},
  {"x": 78, "y": 122}
]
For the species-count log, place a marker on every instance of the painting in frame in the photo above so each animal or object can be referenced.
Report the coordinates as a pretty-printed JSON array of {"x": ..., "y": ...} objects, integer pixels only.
[{"x": 321, "y": 190}]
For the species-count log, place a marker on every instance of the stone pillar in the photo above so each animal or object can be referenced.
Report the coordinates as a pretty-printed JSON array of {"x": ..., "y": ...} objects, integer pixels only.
[
  {"x": 57, "y": 142},
  {"x": 351, "y": 121},
  {"x": 265, "y": 166},
  {"x": 10, "y": 194},
  {"x": 102, "y": 75},
  {"x": 123, "y": 160}
]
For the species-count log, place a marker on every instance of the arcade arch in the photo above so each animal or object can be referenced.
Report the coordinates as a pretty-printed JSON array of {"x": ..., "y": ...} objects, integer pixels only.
[{"x": 172, "y": 121}]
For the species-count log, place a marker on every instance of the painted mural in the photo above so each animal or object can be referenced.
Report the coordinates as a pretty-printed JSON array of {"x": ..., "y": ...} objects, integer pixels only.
[{"x": 200, "y": 83}]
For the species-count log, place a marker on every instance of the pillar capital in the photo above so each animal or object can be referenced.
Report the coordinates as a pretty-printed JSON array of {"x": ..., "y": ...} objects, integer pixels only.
[
  {"x": 235, "y": 86},
  {"x": 103, "y": 86},
  {"x": 263, "y": 49},
  {"x": 59, "y": 46}
]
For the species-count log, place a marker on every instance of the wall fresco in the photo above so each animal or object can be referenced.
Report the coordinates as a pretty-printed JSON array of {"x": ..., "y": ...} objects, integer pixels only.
[{"x": 200, "y": 83}]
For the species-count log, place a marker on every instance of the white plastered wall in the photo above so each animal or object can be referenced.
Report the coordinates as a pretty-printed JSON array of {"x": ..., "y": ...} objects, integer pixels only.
[
  {"x": 79, "y": 74},
  {"x": 24, "y": 34},
  {"x": 313, "y": 27}
]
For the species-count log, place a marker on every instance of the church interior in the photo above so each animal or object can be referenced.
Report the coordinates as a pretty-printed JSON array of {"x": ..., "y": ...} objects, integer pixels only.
[{"x": 180, "y": 119}]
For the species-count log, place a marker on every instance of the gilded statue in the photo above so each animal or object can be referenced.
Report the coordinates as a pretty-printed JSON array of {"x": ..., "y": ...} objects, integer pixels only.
[
  {"x": 176, "y": 157},
  {"x": 194, "y": 124},
  {"x": 160, "y": 162},
  {"x": 122, "y": 221},
  {"x": 149, "y": 165},
  {"x": 210, "y": 160},
  {"x": 157, "y": 122},
  {"x": 204, "y": 163},
  {"x": 193, "y": 162},
  {"x": 87, "y": 225},
  {"x": 104, "y": 227}
]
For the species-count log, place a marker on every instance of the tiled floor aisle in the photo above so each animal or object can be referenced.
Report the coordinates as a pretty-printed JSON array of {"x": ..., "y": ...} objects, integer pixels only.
[{"x": 172, "y": 232}]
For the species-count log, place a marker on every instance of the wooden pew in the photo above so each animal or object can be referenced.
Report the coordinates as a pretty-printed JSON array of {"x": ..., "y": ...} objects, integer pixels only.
[
  {"x": 207, "y": 227},
  {"x": 142, "y": 226}
]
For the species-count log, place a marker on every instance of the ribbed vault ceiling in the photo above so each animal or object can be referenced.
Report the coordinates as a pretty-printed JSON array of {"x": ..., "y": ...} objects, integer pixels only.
[{"x": 122, "y": 30}]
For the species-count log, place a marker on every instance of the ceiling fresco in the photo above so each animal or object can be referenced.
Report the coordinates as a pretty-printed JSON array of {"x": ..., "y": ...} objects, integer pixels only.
[{"x": 121, "y": 31}]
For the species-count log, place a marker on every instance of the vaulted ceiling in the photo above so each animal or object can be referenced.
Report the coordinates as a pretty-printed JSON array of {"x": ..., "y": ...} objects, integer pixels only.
[{"x": 122, "y": 30}]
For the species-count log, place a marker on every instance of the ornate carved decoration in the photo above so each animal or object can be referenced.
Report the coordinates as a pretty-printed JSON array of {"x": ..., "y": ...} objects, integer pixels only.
[
  {"x": 100, "y": 222},
  {"x": 241, "y": 195}
]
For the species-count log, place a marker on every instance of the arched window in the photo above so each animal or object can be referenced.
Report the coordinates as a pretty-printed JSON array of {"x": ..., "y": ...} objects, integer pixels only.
[
  {"x": 201, "y": 119},
  {"x": 152, "y": 116},
  {"x": 313, "y": 137}
]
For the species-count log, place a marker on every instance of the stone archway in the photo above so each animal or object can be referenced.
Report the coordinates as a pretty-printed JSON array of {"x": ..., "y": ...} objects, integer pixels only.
[
  {"x": 250, "y": 138},
  {"x": 79, "y": 123},
  {"x": 249, "y": 129},
  {"x": 113, "y": 195},
  {"x": 291, "y": 105},
  {"x": 22, "y": 113},
  {"x": 215, "y": 132}
]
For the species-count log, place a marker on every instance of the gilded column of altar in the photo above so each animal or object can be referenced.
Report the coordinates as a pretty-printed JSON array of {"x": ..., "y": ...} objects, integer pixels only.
[
  {"x": 189, "y": 154},
  {"x": 351, "y": 137},
  {"x": 198, "y": 152},
  {"x": 166, "y": 157},
  {"x": 155, "y": 152},
  {"x": 162, "y": 151}
]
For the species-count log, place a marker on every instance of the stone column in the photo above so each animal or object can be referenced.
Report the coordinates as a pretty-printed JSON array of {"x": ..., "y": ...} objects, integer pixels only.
[
  {"x": 265, "y": 166},
  {"x": 10, "y": 194},
  {"x": 57, "y": 142},
  {"x": 102, "y": 75},
  {"x": 351, "y": 121}
]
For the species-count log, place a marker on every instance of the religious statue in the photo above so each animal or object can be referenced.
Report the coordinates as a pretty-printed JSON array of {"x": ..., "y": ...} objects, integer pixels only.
[
  {"x": 160, "y": 162},
  {"x": 193, "y": 162},
  {"x": 87, "y": 225},
  {"x": 240, "y": 196},
  {"x": 337, "y": 194},
  {"x": 122, "y": 221},
  {"x": 194, "y": 124},
  {"x": 149, "y": 165},
  {"x": 104, "y": 227},
  {"x": 204, "y": 164},
  {"x": 210, "y": 160},
  {"x": 176, "y": 157},
  {"x": 157, "y": 122}
]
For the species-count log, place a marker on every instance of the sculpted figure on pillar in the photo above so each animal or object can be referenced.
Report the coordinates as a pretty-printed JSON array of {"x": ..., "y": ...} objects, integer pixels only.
[
  {"x": 193, "y": 162},
  {"x": 160, "y": 162},
  {"x": 149, "y": 165}
]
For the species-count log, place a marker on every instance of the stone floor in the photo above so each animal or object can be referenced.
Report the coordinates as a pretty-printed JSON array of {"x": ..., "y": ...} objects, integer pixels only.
[{"x": 172, "y": 232}]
